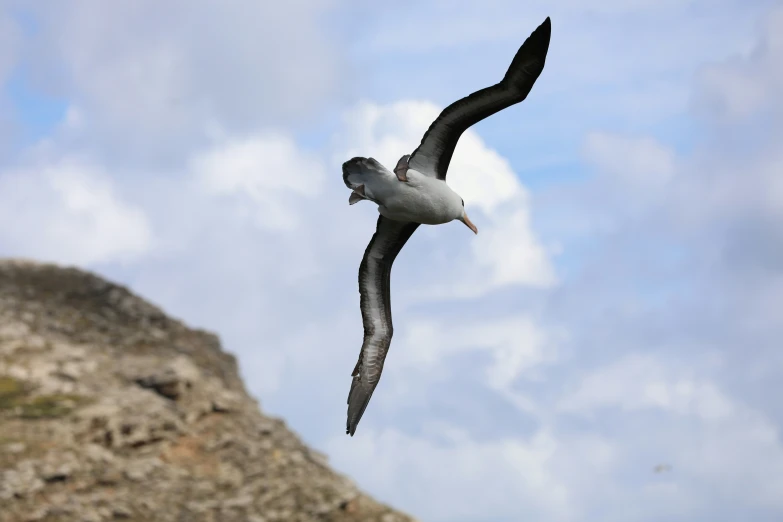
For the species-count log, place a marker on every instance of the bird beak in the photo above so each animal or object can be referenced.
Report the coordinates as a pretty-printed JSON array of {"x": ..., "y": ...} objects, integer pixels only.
[{"x": 468, "y": 223}]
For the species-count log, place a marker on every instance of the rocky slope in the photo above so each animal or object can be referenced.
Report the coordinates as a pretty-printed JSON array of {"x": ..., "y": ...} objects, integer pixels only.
[{"x": 110, "y": 410}]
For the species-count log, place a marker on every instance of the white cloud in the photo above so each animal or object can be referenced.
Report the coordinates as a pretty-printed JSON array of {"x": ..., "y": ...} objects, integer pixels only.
[
  {"x": 744, "y": 86},
  {"x": 738, "y": 96},
  {"x": 639, "y": 163},
  {"x": 602, "y": 470},
  {"x": 510, "y": 253},
  {"x": 69, "y": 212},
  {"x": 458, "y": 479},
  {"x": 515, "y": 343},
  {"x": 156, "y": 82},
  {"x": 632, "y": 175},
  {"x": 711, "y": 440},
  {"x": 266, "y": 174},
  {"x": 728, "y": 176},
  {"x": 638, "y": 382}
]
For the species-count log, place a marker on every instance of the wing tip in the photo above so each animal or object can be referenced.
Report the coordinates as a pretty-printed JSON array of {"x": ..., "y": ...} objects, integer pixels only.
[
  {"x": 544, "y": 30},
  {"x": 531, "y": 57},
  {"x": 351, "y": 424},
  {"x": 358, "y": 399}
]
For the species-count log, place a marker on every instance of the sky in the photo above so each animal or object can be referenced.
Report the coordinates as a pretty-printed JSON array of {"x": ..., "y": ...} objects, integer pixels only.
[{"x": 616, "y": 311}]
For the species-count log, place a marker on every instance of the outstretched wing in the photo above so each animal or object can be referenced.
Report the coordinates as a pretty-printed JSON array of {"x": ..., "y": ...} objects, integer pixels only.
[
  {"x": 433, "y": 155},
  {"x": 374, "y": 278}
]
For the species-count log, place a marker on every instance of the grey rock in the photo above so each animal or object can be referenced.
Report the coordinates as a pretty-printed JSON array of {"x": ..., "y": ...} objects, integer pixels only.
[{"x": 111, "y": 410}]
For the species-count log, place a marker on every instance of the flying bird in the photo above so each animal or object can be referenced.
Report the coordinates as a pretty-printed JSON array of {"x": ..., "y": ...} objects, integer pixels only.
[{"x": 416, "y": 193}]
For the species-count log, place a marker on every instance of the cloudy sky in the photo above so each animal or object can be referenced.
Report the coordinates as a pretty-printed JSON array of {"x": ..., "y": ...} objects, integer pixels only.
[{"x": 616, "y": 312}]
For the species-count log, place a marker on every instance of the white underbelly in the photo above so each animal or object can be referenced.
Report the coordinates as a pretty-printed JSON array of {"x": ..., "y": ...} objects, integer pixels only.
[
  {"x": 422, "y": 199},
  {"x": 417, "y": 207},
  {"x": 416, "y": 217}
]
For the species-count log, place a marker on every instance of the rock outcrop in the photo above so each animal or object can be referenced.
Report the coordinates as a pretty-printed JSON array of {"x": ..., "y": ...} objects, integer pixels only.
[{"x": 111, "y": 410}]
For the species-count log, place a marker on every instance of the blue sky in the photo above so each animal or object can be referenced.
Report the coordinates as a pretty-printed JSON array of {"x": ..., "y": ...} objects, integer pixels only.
[{"x": 618, "y": 309}]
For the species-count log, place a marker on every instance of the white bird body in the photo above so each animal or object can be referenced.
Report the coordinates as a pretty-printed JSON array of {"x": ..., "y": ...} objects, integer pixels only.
[{"x": 422, "y": 199}]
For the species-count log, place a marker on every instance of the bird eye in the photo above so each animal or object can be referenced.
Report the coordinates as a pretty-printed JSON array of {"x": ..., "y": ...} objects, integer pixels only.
[{"x": 463, "y": 201}]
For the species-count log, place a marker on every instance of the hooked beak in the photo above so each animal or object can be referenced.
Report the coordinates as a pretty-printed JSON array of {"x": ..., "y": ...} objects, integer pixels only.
[{"x": 468, "y": 223}]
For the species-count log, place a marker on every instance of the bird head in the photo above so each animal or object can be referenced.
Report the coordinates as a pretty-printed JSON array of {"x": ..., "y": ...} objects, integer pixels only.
[{"x": 463, "y": 216}]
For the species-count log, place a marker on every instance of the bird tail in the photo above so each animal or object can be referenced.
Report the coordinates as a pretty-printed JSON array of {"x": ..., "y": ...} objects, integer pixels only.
[{"x": 358, "y": 171}]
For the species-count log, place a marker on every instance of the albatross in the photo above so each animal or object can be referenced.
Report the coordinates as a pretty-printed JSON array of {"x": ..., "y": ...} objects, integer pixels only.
[{"x": 416, "y": 193}]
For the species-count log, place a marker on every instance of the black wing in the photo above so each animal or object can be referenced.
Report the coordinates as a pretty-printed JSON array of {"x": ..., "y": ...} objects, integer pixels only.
[
  {"x": 437, "y": 146},
  {"x": 374, "y": 278}
]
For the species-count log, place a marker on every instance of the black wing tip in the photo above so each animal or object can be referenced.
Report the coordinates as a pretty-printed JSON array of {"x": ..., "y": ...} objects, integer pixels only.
[
  {"x": 350, "y": 427},
  {"x": 545, "y": 27},
  {"x": 358, "y": 399},
  {"x": 543, "y": 31},
  {"x": 531, "y": 56},
  {"x": 356, "y": 410}
]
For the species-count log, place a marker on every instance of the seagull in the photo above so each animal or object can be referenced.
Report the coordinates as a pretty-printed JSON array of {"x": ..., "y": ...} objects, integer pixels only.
[{"x": 416, "y": 193}]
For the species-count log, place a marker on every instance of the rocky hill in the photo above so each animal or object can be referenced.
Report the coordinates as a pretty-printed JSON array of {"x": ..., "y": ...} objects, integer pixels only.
[{"x": 111, "y": 410}]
